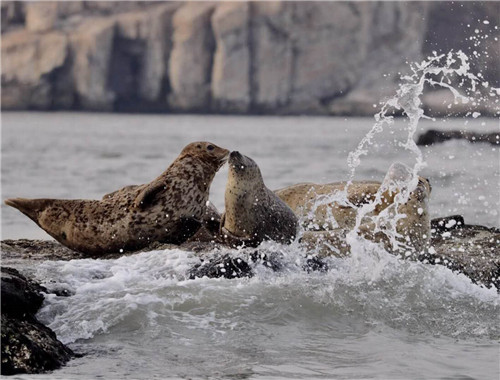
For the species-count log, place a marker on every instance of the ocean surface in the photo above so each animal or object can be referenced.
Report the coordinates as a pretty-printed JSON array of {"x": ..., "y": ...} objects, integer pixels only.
[{"x": 372, "y": 316}]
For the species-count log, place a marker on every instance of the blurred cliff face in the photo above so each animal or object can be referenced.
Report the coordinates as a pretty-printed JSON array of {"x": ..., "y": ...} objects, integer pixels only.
[{"x": 241, "y": 57}]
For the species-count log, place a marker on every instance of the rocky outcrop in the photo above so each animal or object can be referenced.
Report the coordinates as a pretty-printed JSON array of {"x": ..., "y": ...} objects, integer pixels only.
[
  {"x": 433, "y": 136},
  {"x": 468, "y": 249},
  {"x": 27, "y": 345},
  {"x": 226, "y": 57}
]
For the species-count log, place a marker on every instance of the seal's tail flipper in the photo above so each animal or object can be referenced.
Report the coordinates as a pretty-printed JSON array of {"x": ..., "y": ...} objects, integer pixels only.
[{"x": 29, "y": 207}]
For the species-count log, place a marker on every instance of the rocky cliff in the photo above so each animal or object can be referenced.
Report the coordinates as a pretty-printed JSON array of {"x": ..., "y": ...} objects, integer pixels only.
[{"x": 222, "y": 57}]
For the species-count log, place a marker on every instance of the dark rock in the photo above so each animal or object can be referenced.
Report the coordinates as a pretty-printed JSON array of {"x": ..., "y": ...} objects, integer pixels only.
[
  {"x": 27, "y": 345},
  {"x": 37, "y": 250},
  {"x": 271, "y": 260},
  {"x": 229, "y": 267},
  {"x": 315, "y": 264},
  {"x": 221, "y": 266},
  {"x": 447, "y": 223},
  {"x": 30, "y": 347},
  {"x": 468, "y": 249},
  {"x": 19, "y": 295},
  {"x": 433, "y": 137}
]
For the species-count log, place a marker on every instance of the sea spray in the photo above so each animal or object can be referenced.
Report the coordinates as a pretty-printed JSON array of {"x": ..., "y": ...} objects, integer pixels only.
[{"x": 449, "y": 71}]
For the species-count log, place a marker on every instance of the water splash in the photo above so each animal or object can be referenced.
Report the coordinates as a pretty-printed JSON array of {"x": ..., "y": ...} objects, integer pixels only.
[{"x": 449, "y": 71}]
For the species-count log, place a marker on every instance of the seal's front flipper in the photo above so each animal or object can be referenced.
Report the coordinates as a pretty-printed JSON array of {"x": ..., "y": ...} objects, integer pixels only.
[
  {"x": 184, "y": 229},
  {"x": 147, "y": 196}
]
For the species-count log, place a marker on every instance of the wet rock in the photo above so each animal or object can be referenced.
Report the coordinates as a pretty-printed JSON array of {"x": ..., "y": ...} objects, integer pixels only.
[
  {"x": 27, "y": 345},
  {"x": 468, "y": 249},
  {"x": 447, "y": 223},
  {"x": 471, "y": 250},
  {"x": 221, "y": 266},
  {"x": 315, "y": 264},
  {"x": 27, "y": 249},
  {"x": 434, "y": 137},
  {"x": 20, "y": 296},
  {"x": 226, "y": 266}
]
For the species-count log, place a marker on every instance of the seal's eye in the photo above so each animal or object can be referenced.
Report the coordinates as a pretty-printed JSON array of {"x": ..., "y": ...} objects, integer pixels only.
[
  {"x": 198, "y": 146},
  {"x": 210, "y": 147}
]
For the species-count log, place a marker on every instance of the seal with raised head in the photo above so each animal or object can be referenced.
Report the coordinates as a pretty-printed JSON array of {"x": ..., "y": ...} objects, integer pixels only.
[
  {"x": 253, "y": 213},
  {"x": 170, "y": 209}
]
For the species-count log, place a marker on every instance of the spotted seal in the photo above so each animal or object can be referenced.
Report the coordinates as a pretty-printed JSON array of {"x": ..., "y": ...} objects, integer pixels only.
[
  {"x": 327, "y": 223},
  {"x": 169, "y": 209},
  {"x": 253, "y": 213}
]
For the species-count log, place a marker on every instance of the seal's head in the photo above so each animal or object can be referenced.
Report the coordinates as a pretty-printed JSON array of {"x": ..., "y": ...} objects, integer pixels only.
[
  {"x": 243, "y": 168},
  {"x": 207, "y": 152},
  {"x": 423, "y": 189}
]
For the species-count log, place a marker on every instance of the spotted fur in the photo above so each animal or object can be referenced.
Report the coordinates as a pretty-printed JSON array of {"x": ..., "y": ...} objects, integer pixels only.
[
  {"x": 168, "y": 210},
  {"x": 330, "y": 222},
  {"x": 253, "y": 213}
]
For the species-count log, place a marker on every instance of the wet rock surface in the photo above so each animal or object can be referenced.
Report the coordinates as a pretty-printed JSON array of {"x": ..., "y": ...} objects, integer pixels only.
[
  {"x": 27, "y": 345},
  {"x": 37, "y": 250},
  {"x": 435, "y": 137},
  {"x": 227, "y": 266},
  {"x": 468, "y": 249}
]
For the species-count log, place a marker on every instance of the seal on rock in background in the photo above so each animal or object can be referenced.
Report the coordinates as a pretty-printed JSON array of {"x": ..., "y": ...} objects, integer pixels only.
[
  {"x": 169, "y": 209},
  {"x": 327, "y": 217},
  {"x": 253, "y": 213}
]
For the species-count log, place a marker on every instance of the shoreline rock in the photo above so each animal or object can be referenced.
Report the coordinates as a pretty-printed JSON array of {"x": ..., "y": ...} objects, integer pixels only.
[
  {"x": 433, "y": 136},
  {"x": 27, "y": 345},
  {"x": 468, "y": 249}
]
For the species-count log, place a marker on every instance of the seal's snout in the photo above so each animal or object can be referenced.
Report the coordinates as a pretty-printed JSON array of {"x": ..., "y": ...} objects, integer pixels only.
[
  {"x": 235, "y": 157},
  {"x": 225, "y": 157}
]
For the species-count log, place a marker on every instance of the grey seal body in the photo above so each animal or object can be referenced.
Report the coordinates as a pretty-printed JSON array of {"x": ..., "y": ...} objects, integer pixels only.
[
  {"x": 253, "y": 213},
  {"x": 169, "y": 209}
]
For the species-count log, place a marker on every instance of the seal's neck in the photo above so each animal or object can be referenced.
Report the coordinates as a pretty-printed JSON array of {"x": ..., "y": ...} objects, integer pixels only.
[{"x": 192, "y": 169}]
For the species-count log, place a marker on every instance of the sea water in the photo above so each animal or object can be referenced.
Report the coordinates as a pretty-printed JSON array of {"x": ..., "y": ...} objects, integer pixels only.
[{"x": 370, "y": 316}]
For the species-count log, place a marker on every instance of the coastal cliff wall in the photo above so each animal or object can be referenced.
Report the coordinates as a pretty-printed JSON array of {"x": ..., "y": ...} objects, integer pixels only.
[{"x": 220, "y": 57}]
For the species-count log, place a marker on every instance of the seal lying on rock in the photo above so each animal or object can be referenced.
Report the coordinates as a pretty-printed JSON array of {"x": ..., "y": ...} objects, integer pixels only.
[
  {"x": 169, "y": 209},
  {"x": 253, "y": 212},
  {"x": 327, "y": 220}
]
